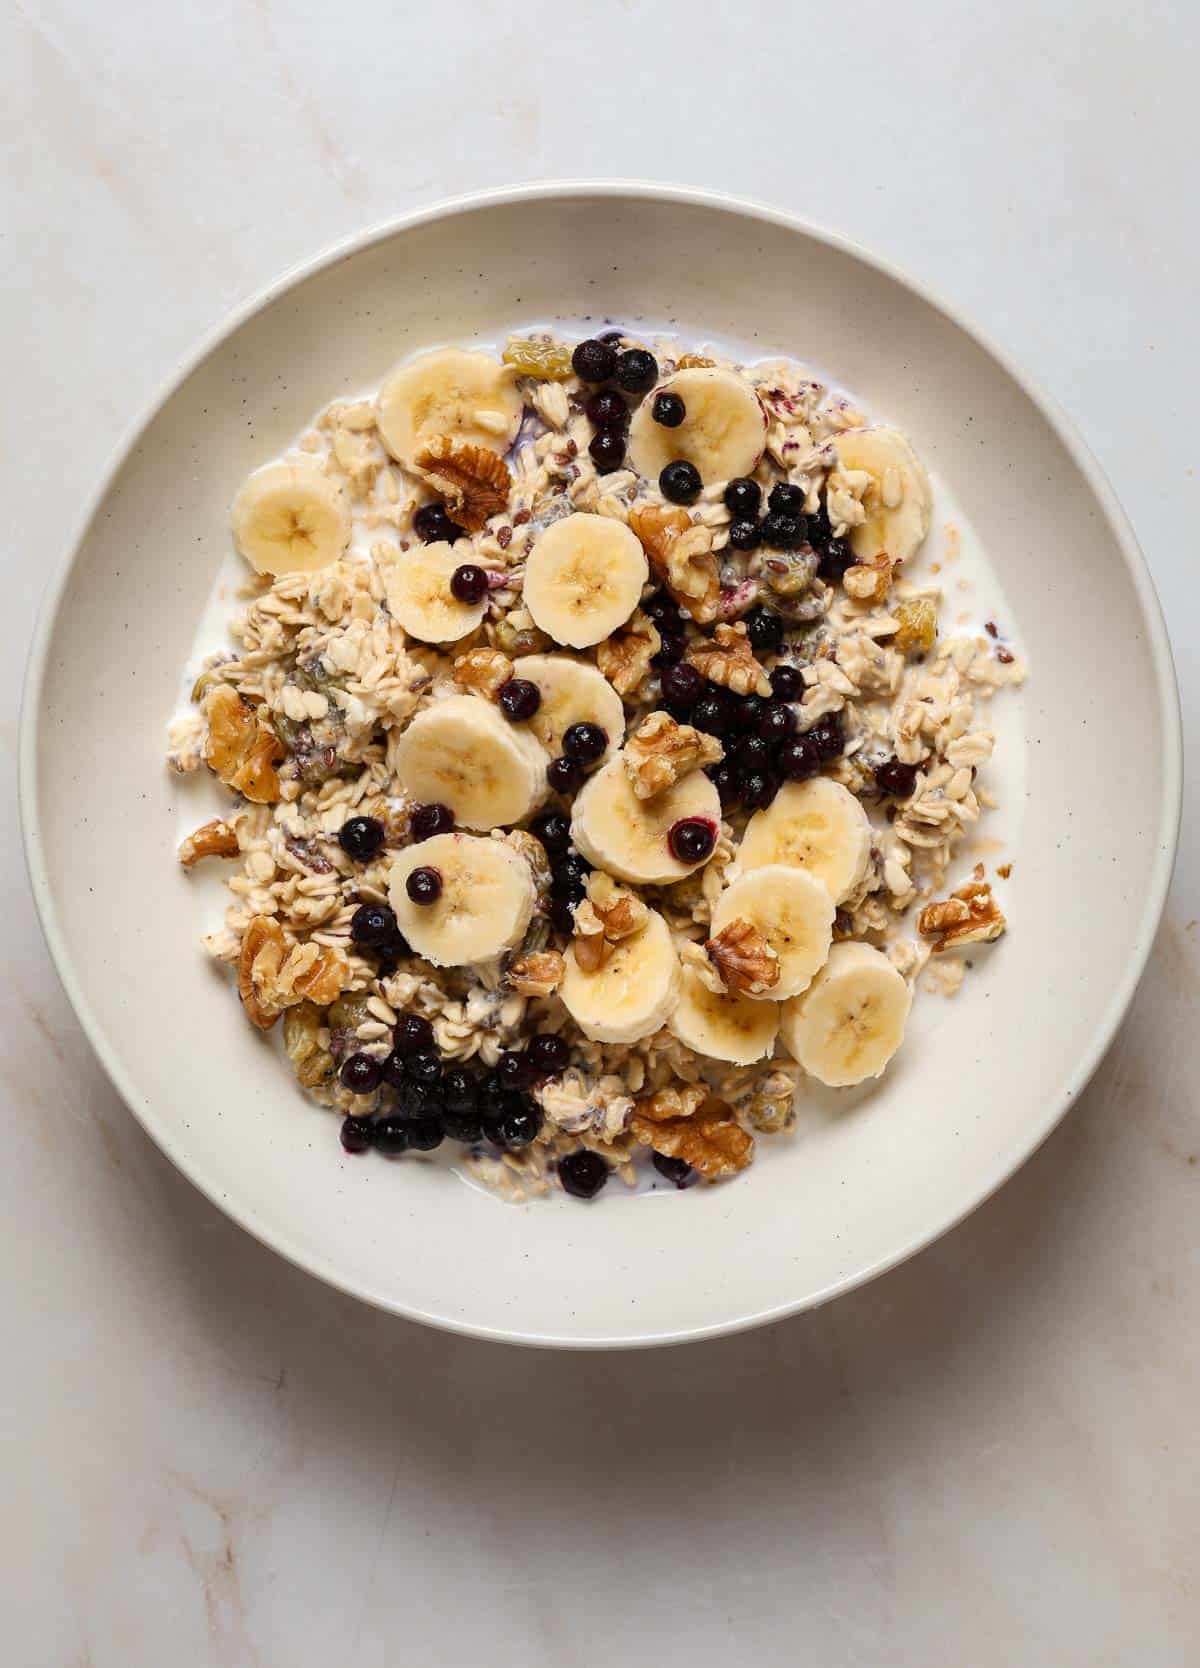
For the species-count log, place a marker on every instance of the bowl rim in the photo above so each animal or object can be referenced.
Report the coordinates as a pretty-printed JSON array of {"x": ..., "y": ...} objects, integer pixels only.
[{"x": 1170, "y": 725}]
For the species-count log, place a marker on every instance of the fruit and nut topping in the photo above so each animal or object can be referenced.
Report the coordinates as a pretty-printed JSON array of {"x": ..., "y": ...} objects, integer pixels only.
[{"x": 598, "y": 754}]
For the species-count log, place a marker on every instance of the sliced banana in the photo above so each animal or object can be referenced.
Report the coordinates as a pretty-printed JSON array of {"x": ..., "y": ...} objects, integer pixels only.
[
  {"x": 584, "y": 578},
  {"x": 816, "y": 825},
  {"x": 468, "y": 396},
  {"x": 486, "y": 902},
  {"x": 723, "y": 431},
  {"x": 728, "y": 1027},
  {"x": 898, "y": 499},
  {"x": 631, "y": 995},
  {"x": 291, "y": 518},
  {"x": 627, "y": 836},
  {"x": 462, "y": 753},
  {"x": 573, "y": 692},
  {"x": 793, "y": 912},
  {"x": 850, "y": 1021},
  {"x": 417, "y": 586}
]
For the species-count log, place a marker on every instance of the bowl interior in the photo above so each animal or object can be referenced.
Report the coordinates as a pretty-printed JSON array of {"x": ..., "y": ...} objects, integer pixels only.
[{"x": 986, "y": 1075}]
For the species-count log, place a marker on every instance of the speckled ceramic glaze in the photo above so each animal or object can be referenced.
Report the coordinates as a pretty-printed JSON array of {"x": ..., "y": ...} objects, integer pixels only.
[{"x": 867, "y": 1180}]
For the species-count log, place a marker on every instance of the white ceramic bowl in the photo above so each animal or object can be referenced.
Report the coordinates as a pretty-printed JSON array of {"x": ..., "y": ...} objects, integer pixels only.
[{"x": 981, "y": 1084}]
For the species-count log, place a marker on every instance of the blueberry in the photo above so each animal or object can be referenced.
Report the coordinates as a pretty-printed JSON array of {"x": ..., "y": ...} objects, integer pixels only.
[
  {"x": 564, "y": 776},
  {"x": 513, "y": 1070},
  {"x": 548, "y": 1055},
  {"x": 752, "y": 754},
  {"x": 569, "y": 874},
  {"x": 391, "y": 1135},
  {"x": 670, "y": 650},
  {"x": 561, "y": 916},
  {"x": 593, "y": 361},
  {"x": 828, "y": 736},
  {"x": 421, "y": 1100},
  {"x": 636, "y": 371},
  {"x": 744, "y": 534},
  {"x": 607, "y": 448},
  {"x": 743, "y": 497},
  {"x": 393, "y": 1070},
  {"x": 669, "y": 410},
  {"x": 896, "y": 778},
  {"x": 582, "y": 1173},
  {"x": 413, "y": 1033},
  {"x": 607, "y": 409},
  {"x": 469, "y": 583},
  {"x": 836, "y": 557},
  {"x": 462, "y": 1126},
  {"x": 356, "y": 1134},
  {"x": 727, "y": 779},
  {"x": 387, "y": 955},
  {"x": 361, "y": 838},
  {"x": 765, "y": 631},
  {"x": 681, "y": 687},
  {"x": 519, "y": 699},
  {"x": 427, "y": 820},
  {"x": 777, "y": 722},
  {"x": 663, "y": 609},
  {"x": 680, "y": 482},
  {"x": 425, "y": 1066},
  {"x": 520, "y": 1127},
  {"x": 786, "y": 499},
  {"x": 459, "y": 1090},
  {"x": 372, "y": 925},
  {"x": 424, "y": 886},
  {"x": 432, "y": 525},
  {"x": 584, "y": 743},
  {"x": 553, "y": 830},
  {"x": 747, "y": 710},
  {"x": 424, "y": 1134},
  {"x": 676, "y": 1170},
  {"x": 493, "y": 1098},
  {"x": 692, "y": 839},
  {"x": 787, "y": 683},
  {"x": 713, "y": 714},
  {"x": 820, "y": 528},
  {"x": 784, "y": 532},
  {"x": 758, "y": 790},
  {"x": 361, "y": 1074},
  {"x": 798, "y": 759}
]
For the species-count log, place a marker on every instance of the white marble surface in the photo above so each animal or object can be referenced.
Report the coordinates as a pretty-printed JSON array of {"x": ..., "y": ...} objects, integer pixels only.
[{"x": 987, "y": 1458}]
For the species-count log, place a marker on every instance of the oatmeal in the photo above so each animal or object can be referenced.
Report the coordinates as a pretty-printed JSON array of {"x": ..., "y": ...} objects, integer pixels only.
[{"x": 596, "y": 756}]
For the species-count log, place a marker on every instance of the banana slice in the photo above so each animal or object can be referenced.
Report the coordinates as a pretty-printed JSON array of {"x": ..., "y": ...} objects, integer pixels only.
[
  {"x": 584, "y": 578},
  {"x": 417, "y": 586},
  {"x": 793, "y": 912},
  {"x": 460, "y": 752},
  {"x": 627, "y": 836},
  {"x": 486, "y": 903},
  {"x": 723, "y": 431},
  {"x": 898, "y": 499},
  {"x": 632, "y": 994},
  {"x": 726, "y": 1027},
  {"x": 851, "y": 1019},
  {"x": 291, "y": 518},
  {"x": 816, "y": 825},
  {"x": 573, "y": 692},
  {"x": 468, "y": 396}
]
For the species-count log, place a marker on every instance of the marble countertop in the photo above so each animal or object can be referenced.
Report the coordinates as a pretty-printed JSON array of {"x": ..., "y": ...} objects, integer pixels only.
[{"x": 987, "y": 1457}]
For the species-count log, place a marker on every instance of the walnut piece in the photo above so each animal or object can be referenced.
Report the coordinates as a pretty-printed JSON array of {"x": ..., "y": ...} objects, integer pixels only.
[
  {"x": 743, "y": 958},
  {"x": 242, "y": 748},
  {"x": 608, "y": 914},
  {"x": 918, "y": 625},
  {"x": 625, "y": 657},
  {"x": 273, "y": 975},
  {"x": 730, "y": 662},
  {"x": 680, "y": 1100},
  {"x": 710, "y": 1138},
  {"x": 537, "y": 975},
  {"x": 484, "y": 670},
  {"x": 214, "y": 839},
  {"x": 474, "y": 481},
  {"x": 969, "y": 915},
  {"x": 682, "y": 556},
  {"x": 661, "y": 752},
  {"x": 869, "y": 581}
]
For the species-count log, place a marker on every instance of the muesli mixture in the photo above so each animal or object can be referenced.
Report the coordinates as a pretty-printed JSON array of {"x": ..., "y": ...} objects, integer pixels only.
[{"x": 595, "y": 758}]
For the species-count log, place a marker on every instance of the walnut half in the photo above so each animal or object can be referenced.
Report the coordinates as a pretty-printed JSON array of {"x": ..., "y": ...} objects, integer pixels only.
[
  {"x": 730, "y": 662},
  {"x": 273, "y": 975},
  {"x": 743, "y": 958},
  {"x": 624, "y": 658},
  {"x": 607, "y": 915},
  {"x": 969, "y": 915},
  {"x": 213, "y": 839},
  {"x": 709, "y": 1137},
  {"x": 242, "y": 748},
  {"x": 474, "y": 481},
  {"x": 661, "y": 752},
  {"x": 681, "y": 555},
  {"x": 536, "y": 975}
]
